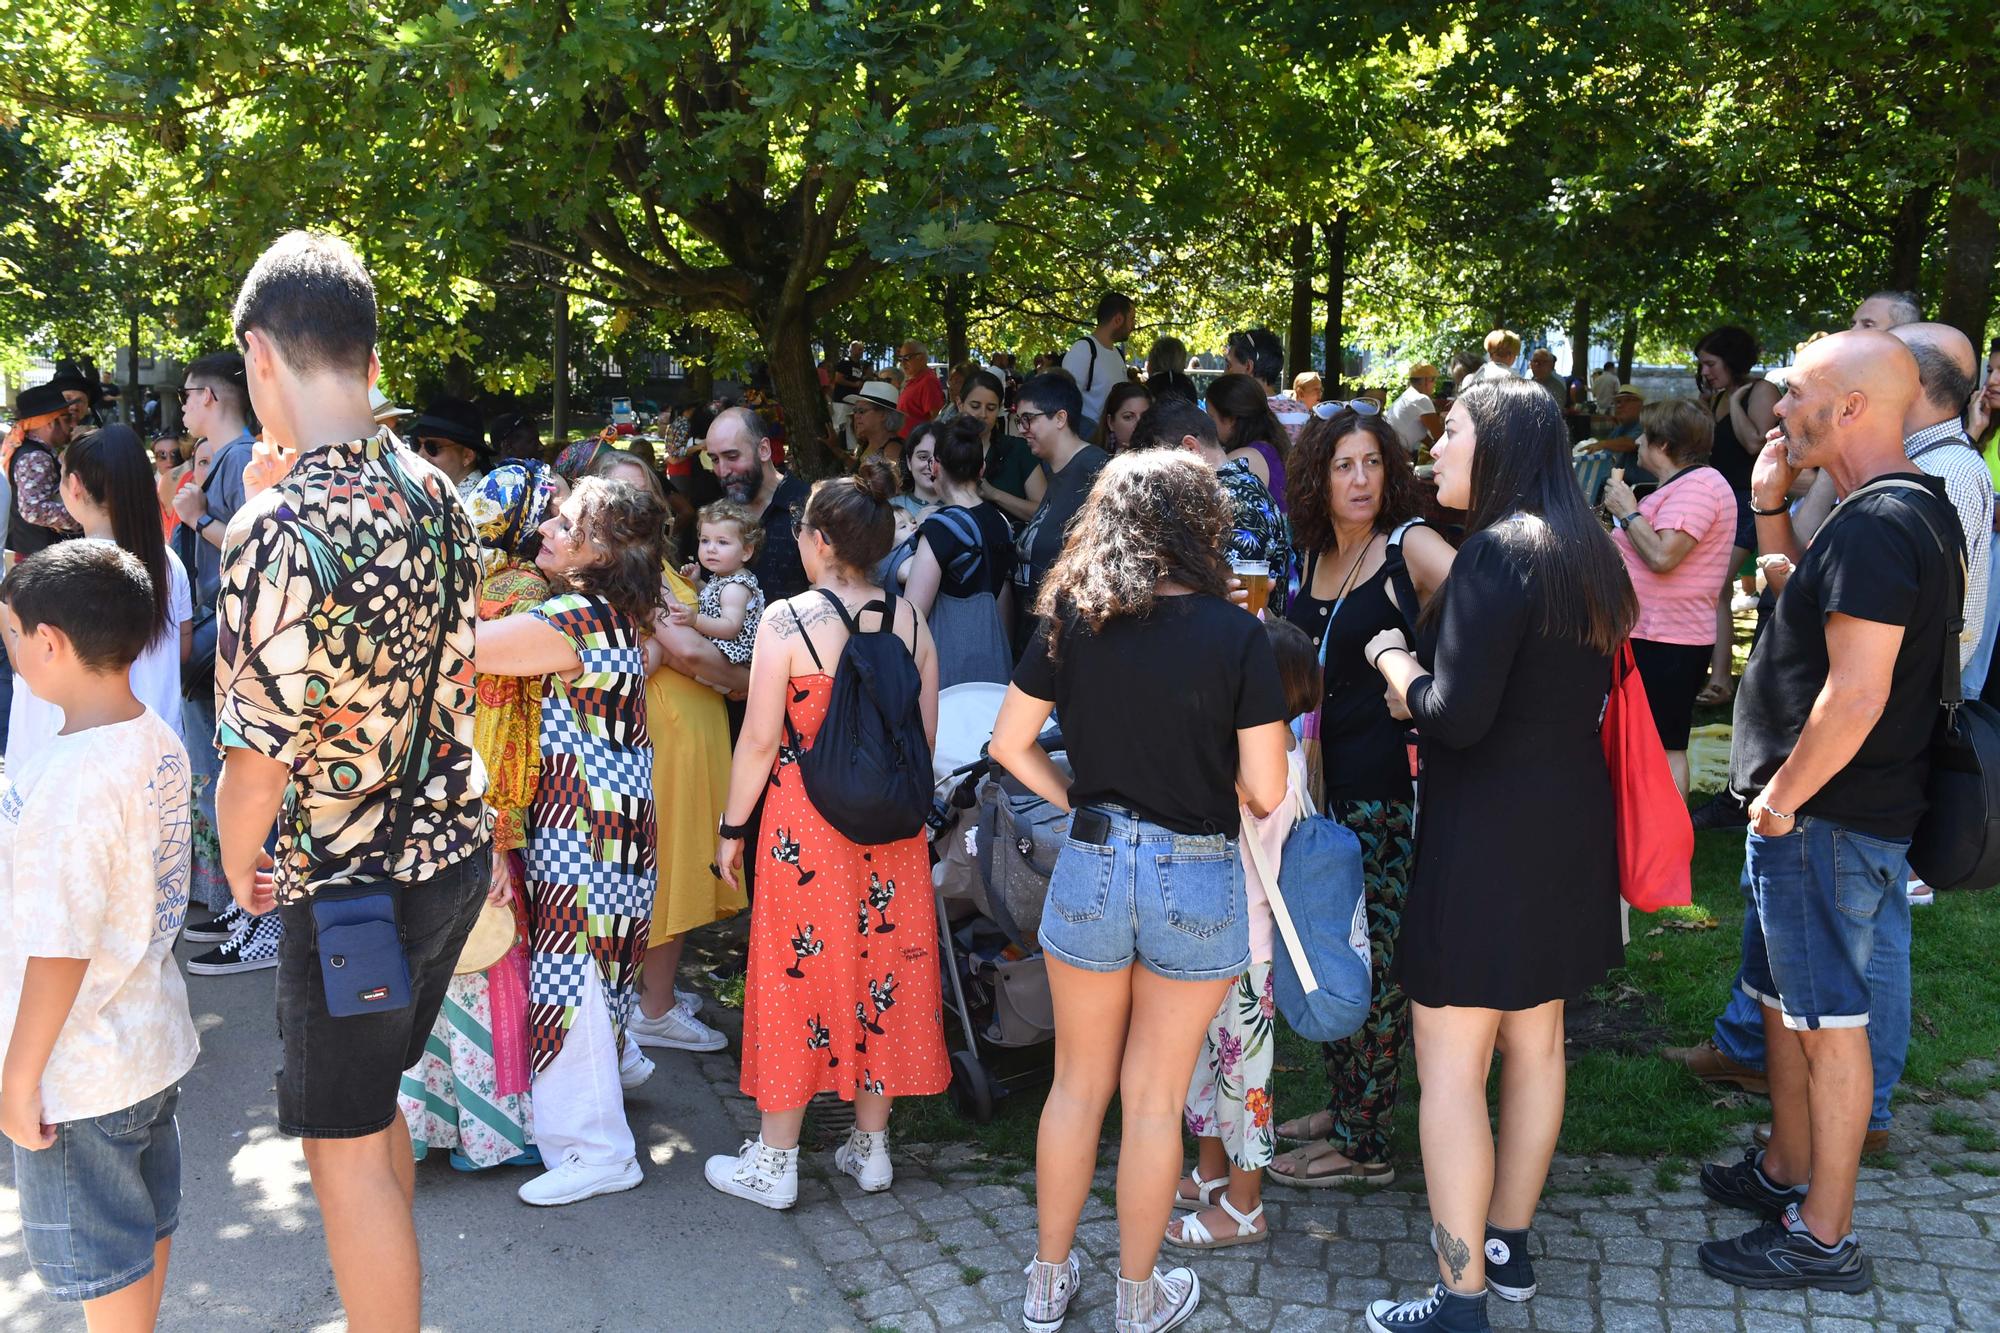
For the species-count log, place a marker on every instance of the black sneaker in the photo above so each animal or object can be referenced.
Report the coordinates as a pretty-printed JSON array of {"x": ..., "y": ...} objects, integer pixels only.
[
  {"x": 215, "y": 929},
  {"x": 1744, "y": 1185},
  {"x": 1510, "y": 1274},
  {"x": 1721, "y": 811},
  {"x": 252, "y": 948},
  {"x": 1443, "y": 1311},
  {"x": 1782, "y": 1255}
]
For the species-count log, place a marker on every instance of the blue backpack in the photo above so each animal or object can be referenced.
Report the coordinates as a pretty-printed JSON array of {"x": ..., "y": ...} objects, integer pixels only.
[{"x": 1321, "y": 973}]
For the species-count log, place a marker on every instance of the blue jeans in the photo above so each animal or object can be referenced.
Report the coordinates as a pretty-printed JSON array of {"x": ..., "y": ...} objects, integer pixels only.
[
  {"x": 1739, "y": 1032},
  {"x": 1173, "y": 901},
  {"x": 94, "y": 1203}
]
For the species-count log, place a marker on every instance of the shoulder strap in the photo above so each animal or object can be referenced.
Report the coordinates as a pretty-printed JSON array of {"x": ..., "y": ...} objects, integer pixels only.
[
  {"x": 961, "y": 524},
  {"x": 1281, "y": 916},
  {"x": 406, "y": 781},
  {"x": 1399, "y": 573},
  {"x": 1959, "y": 438},
  {"x": 1090, "y": 376},
  {"x": 1951, "y": 690},
  {"x": 804, "y": 634}
]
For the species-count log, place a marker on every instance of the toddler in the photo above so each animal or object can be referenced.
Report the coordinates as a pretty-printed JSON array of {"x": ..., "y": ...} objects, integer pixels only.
[
  {"x": 1229, "y": 1097},
  {"x": 93, "y": 887},
  {"x": 731, "y": 601}
]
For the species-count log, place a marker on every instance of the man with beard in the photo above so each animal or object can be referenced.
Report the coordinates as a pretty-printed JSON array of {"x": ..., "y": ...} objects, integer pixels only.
[
  {"x": 37, "y": 517},
  {"x": 739, "y": 448}
]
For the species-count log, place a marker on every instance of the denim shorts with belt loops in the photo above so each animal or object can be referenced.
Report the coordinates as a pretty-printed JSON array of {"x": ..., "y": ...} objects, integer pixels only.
[{"x": 1126, "y": 889}]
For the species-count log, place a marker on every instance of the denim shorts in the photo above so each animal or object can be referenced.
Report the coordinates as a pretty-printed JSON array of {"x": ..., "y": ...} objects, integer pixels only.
[
  {"x": 341, "y": 1075},
  {"x": 94, "y": 1203},
  {"x": 1173, "y": 901},
  {"x": 1816, "y": 892}
]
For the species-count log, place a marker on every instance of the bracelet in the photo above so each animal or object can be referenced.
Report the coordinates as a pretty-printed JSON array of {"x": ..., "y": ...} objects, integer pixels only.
[
  {"x": 732, "y": 832},
  {"x": 1375, "y": 662},
  {"x": 1779, "y": 512},
  {"x": 1780, "y": 814}
]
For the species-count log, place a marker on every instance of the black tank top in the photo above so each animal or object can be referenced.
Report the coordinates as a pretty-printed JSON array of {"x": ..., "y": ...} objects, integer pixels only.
[
  {"x": 1363, "y": 749},
  {"x": 1728, "y": 458},
  {"x": 25, "y": 538}
]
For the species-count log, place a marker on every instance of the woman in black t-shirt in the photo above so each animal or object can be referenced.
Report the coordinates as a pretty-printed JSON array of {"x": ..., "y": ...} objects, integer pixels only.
[
  {"x": 1171, "y": 707},
  {"x": 962, "y": 573}
]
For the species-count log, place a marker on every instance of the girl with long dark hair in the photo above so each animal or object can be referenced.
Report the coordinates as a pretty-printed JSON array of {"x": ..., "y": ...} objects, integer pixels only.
[
  {"x": 1172, "y": 705},
  {"x": 1509, "y": 914},
  {"x": 1740, "y": 404},
  {"x": 1250, "y": 430},
  {"x": 108, "y": 486}
]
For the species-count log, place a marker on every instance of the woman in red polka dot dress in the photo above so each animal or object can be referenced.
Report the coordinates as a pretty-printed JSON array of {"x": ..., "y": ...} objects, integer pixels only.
[{"x": 842, "y": 991}]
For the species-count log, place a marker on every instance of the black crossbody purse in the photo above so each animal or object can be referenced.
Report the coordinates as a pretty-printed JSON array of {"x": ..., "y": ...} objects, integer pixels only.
[{"x": 357, "y": 933}]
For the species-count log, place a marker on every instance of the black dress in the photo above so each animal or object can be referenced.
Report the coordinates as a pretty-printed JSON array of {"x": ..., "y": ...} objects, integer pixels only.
[{"x": 1514, "y": 901}]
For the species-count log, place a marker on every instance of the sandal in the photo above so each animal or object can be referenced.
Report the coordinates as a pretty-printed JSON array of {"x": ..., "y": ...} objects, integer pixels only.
[
  {"x": 1195, "y": 1235},
  {"x": 1307, "y": 1127},
  {"x": 1301, "y": 1173},
  {"x": 1716, "y": 693},
  {"x": 1204, "y": 1190}
]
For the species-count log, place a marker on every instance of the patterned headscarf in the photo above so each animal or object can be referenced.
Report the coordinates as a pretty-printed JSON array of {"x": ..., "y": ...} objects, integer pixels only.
[
  {"x": 509, "y": 504},
  {"x": 573, "y": 463}
]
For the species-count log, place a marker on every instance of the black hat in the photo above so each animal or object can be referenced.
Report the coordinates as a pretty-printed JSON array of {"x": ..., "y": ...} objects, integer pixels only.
[
  {"x": 452, "y": 419},
  {"x": 39, "y": 400},
  {"x": 70, "y": 379},
  {"x": 507, "y": 424}
]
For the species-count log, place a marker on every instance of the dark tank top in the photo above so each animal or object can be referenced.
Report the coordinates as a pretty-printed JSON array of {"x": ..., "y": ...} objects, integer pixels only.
[{"x": 1363, "y": 750}]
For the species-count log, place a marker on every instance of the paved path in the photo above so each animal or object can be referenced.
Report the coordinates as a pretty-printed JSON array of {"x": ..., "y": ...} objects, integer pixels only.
[
  {"x": 944, "y": 1249},
  {"x": 249, "y": 1254}
]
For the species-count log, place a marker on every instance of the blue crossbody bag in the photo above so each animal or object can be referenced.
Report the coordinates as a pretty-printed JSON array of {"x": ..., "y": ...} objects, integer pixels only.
[{"x": 356, "y": 932}]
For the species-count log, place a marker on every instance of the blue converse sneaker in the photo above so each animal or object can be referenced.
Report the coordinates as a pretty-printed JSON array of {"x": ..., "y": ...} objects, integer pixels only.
[
  {"x": 1783, "y": 1255},
  {"x": 1744, "y": 1185},
  {"x": 1443, "y": 1311},
  {"x": 1510, "y": 1274}
]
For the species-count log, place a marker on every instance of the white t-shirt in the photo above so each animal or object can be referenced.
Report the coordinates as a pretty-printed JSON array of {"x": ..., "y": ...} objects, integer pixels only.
[
  {"x": 1492, "y": 370},
  {"x": 1406, "y": 417},
  {"x": 1094, "y": 381},
  {"x": 1603, "y": 388},
  {"x": 156, "y": 679},
  {"x": 94, "y": 841}
]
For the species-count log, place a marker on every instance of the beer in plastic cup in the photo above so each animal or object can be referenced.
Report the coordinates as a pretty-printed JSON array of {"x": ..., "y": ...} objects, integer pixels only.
[{"x": 1256, "y": 577}]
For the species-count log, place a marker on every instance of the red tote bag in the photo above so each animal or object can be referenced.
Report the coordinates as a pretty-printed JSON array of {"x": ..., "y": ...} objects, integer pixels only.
[{"x": 1655, "y": 834}]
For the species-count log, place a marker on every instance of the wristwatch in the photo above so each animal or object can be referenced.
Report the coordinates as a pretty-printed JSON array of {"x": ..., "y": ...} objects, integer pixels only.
[
  {"x": 201, "y": 524},
  {"x": 734, "y": 832}
]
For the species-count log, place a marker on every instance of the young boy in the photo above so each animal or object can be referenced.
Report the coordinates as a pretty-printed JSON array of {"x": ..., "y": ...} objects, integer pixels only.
[{"x": 93, "y": 886}]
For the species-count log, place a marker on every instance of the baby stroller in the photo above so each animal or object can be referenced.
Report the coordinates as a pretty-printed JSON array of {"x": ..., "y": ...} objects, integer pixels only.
[{"x": 994, "y": 845}]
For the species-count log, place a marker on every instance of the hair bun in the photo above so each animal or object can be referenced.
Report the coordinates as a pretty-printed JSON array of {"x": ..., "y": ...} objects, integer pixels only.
[{"x": 877, "y": 478}]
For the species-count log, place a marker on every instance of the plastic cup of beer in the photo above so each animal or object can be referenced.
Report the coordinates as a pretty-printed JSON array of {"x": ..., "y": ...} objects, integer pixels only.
[{"x": 1256, "y": 578}]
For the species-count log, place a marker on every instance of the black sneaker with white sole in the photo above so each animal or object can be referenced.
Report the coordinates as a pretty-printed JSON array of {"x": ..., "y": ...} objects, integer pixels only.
[
  {"x": 215, "y": 929},
  {"x": 1744, "y": 1185},
  {"x": 252, "y": 948},
  {"x": 1510, "y": 1274},
  {"x": 1783, "y": 1255}
]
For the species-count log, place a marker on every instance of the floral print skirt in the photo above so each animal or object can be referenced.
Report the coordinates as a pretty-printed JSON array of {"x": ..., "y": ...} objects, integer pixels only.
[
  {"x": 451, "y": 1098},
  {"x": 1229, "y": 1097}
]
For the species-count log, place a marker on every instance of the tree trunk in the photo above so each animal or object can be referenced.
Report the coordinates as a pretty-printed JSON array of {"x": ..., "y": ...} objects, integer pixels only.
[
  {"x": 559, "y": 373},
  {"x": 130, "y": 411},
  {"x": 1906, "y": 239},
  {"x": 957, "y": 291},
  {"x": 1626, "y": 342},
  {"x": 1299, "y": 342},
  {"x": 1971, "y": 228},
  {"x": 1579, "y": 340},
  {"x": 795, "y": 380},
  {"x": 1336, "y": 302}
]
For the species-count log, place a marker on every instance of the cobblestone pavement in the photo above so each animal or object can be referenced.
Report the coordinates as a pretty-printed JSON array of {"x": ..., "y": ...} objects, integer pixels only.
[{"x": 1614, "y": 1250}]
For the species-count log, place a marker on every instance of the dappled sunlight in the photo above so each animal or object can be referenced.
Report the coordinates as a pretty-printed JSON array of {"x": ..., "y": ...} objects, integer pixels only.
[{"x": 273, "y": 1169}]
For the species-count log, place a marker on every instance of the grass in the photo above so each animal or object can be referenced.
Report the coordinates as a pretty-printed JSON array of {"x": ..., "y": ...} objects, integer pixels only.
[{"x": 1975, "y": 1136}]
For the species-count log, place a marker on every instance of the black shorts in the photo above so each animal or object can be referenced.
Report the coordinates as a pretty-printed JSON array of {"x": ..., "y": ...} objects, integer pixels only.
[
  {"x": 1673, "y": 674},
  {"x": 1746, "y": 527},
  {"x": 341, "y": 1075}
]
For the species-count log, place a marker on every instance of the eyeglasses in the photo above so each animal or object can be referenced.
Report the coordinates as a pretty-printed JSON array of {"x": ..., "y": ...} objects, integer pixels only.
[
  {"x": 1030, "y": 418},
  {"x": 1360, "y": 407},
  {"x": 185, "y": 394}
]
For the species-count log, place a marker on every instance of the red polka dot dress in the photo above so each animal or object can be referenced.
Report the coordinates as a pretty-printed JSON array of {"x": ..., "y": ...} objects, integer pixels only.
[{"x": 842, "y": 993}]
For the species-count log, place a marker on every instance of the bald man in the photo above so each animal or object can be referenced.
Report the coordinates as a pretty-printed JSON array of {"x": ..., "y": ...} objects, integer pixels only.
[
  {"x": 1886, "y": 310},
  {"x": 1831, "y": 752}
]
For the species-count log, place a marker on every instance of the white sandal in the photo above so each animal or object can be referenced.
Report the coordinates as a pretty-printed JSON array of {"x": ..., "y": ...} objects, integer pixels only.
[
  {"x": 1194, "y": 1234},
  {"x": 1204, "y": 1190}
]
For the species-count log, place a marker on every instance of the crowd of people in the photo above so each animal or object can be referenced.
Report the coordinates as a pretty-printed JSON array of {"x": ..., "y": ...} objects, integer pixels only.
[{"x": 463, "y": 742}]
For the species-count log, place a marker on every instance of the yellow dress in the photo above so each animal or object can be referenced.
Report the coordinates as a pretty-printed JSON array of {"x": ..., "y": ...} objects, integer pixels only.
[{"x": 690, "y": 734}]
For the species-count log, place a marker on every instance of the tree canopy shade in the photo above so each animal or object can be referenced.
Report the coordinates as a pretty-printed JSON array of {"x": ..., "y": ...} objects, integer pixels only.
[{"x": 761, "y": 174}]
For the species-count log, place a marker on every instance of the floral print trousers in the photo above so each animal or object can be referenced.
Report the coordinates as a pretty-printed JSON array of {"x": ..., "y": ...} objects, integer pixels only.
[
  {"x": 1229, "y": 1097},
  {"x": 1365, "y": 1069}
]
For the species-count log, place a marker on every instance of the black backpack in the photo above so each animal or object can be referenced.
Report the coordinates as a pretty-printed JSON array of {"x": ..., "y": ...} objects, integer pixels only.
[
  {"x": 1957, "y": 842},
  {"x": 869, "y": 769}
]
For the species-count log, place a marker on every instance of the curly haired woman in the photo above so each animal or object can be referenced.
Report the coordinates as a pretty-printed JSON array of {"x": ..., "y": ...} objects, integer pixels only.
[{"x": 1136, "y": 628}]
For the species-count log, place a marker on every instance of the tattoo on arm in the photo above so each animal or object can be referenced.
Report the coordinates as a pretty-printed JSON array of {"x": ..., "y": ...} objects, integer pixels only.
[{"x": 1452, "y": 1250}]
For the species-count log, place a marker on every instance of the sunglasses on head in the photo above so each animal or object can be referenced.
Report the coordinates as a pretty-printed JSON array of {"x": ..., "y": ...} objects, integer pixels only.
[{"x": 1360, "y": 407}]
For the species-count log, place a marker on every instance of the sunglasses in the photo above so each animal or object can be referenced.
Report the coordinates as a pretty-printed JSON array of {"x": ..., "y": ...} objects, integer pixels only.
[
  {"x": 185, "y": 394},
  {"x": 435, "y": 448},
  {"x": 1360, "y": 407}
]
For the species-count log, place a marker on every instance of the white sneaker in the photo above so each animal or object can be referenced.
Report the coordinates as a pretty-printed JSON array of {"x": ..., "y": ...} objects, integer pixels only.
[
  {"x": 634, "y": 1068},
  {"x": 1921, "y": 894},
  {"x": 865, "y": 1156},
  {"x": 1050, "y": 1287},
  {"x": 677, "y": 1030},
  {"x": 1161, "y": 1302},
  {"x": 769, "y": 1176},
  {"x": 688, "y": 1000},
  {"x": 571, "y": 1181}
]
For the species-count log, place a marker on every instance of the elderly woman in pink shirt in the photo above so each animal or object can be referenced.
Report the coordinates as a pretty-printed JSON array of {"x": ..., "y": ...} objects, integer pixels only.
[{"x": 1676, "y": 543}]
